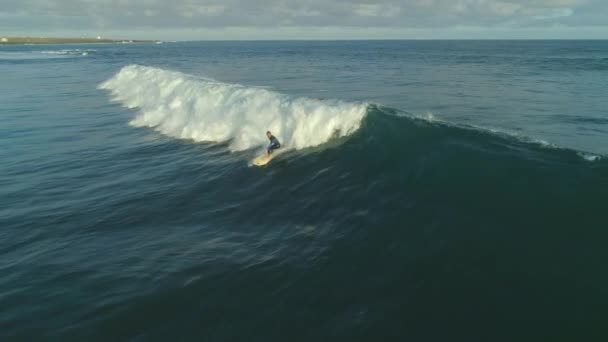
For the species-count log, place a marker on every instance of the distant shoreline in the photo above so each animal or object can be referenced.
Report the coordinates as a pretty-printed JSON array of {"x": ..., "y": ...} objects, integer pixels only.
[{"x": 39, "y": 40}]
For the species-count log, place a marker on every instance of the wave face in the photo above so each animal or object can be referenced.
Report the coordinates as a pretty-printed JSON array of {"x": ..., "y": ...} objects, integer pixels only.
[{"x": 188, "y": 107}]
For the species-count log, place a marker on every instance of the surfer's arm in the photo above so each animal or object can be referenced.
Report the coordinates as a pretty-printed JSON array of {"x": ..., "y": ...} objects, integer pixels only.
[{"x": 273, "y": 144}]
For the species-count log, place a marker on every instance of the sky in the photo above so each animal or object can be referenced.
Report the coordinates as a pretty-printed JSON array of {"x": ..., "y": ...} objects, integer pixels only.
[{"x": 306, "y": 19}]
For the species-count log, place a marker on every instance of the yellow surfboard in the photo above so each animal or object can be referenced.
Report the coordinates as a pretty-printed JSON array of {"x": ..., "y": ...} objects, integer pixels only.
[{"x": 262, "y": 160}]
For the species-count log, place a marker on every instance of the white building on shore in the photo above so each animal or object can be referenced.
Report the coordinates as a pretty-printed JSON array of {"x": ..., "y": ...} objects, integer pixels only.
[{"x": 4, "y": 40}]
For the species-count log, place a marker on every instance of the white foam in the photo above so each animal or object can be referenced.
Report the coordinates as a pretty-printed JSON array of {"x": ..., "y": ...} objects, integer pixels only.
[
  {"x": 427, "y": 116},
  {"x": 68, "y": 52},
  {"x": 589, "y": 157},
  {"x": 28, "y": 55},
  {"x": 46, "y": 54},
  {"x": 188, "y": 107}
]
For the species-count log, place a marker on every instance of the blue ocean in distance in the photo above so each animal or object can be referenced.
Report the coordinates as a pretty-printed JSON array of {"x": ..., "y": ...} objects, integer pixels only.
[{"x": 425, "y": 191}]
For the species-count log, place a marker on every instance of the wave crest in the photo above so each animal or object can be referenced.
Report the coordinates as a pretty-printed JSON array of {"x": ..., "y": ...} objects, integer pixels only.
[{"x": 188, "y": 107}]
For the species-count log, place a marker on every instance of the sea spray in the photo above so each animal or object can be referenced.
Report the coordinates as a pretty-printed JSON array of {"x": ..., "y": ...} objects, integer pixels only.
[{"x": 189, "y": 107}]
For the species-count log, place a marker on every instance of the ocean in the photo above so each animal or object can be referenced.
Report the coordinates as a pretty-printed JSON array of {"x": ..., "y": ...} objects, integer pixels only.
[{"x": 425, "y": 191}]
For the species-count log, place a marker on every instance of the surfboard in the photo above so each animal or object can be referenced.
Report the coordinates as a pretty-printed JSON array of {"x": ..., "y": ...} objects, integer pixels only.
[{"x": 262, "y": 160}]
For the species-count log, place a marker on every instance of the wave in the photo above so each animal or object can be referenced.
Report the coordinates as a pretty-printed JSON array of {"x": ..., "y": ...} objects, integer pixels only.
[
  {"x": 204, "y": 110},
  {"x": 189, "y": 107},
  {"x": 401, "y": 128},
  {"x": 47, "y": 54},
  {"x": 68, "y": 52}
]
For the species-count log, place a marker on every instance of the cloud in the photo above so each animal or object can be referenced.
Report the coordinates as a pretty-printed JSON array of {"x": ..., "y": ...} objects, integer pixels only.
[{"x": 46, "y": 15}]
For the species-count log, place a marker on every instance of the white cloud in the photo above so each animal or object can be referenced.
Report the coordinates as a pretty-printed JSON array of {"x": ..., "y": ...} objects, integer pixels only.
[
  {"x": 375, "y": 10},
  {"x": 353, "y": 15},
  {"x": 549, "y": 13}
]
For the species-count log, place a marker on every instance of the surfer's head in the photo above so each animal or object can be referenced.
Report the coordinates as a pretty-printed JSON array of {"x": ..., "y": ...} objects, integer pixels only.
[{"x": 268, "y": 134}]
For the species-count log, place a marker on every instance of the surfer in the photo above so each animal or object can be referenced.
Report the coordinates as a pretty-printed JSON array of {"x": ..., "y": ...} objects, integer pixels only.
[{"x": 274, "y": 143}]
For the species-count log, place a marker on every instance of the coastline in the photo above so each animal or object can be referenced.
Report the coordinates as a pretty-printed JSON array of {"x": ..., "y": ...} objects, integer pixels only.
[{"x": 44, "y": 40}]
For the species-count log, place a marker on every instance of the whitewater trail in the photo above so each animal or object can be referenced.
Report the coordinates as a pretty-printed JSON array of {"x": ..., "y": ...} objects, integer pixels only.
[{"x": 188, "y": 107}]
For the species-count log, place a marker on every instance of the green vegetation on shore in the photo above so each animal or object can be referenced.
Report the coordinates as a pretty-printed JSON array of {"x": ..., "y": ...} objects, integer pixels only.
[{"x": 42, "y": 40}]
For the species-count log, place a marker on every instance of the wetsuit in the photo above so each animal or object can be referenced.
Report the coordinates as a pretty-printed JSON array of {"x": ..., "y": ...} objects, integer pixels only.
[{"x": 274, "y": 144}]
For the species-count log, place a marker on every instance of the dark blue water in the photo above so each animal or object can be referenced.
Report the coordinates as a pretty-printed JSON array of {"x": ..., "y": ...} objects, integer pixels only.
[{"x": 426, "y": 191}]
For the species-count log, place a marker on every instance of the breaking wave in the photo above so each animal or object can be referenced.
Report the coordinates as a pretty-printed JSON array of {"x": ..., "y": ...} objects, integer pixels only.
[{"x": 190, "y": 107}]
